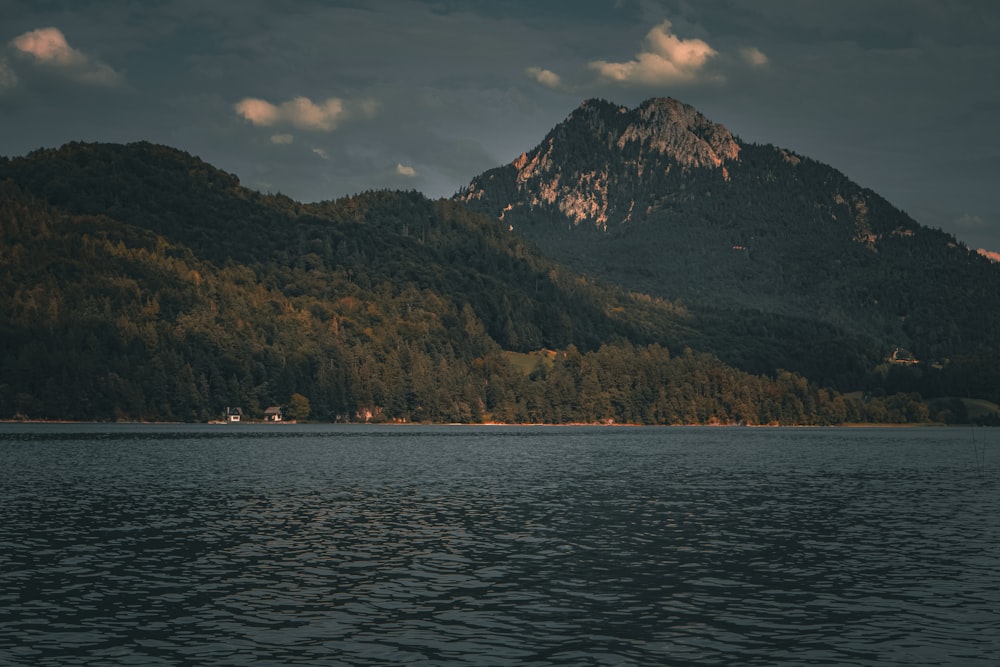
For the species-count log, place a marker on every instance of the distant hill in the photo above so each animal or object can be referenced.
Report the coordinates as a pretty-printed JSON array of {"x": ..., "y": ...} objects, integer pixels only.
[
  {"x": 139, "y": 283},
  {"x": 783, "y": 261}
]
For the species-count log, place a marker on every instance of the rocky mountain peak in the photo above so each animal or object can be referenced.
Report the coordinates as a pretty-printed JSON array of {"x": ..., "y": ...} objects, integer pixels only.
[
  {"x": 680, "y": 131},
  {"x": 601, "y": 150},
  {"x": 662, "y": 125}
]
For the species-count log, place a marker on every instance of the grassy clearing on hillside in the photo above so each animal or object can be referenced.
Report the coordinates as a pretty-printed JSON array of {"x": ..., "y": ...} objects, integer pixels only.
[{"x": 529, "y": 362}]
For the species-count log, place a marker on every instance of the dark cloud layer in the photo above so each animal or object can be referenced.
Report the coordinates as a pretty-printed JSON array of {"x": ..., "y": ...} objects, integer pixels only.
[{"x": 319, "y": 99}]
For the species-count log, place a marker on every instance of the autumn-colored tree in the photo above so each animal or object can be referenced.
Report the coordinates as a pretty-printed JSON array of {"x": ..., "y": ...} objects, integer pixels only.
[{"x": 298, "y": 407}]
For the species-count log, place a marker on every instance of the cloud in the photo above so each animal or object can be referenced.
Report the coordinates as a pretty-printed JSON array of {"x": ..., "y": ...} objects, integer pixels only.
[
  {"x": 990, "y": 255},
  {"x": 300, "y": 112},
  {"x": 282, "y": 138},
  {"x": 666, "y": 59},
  {"x": 754, "y": 56},
  {"x": 48, "y": 46},
  {"x": 404, "y": 170},
  {"x": 547, "y": 78},
  {"x": 322, "y": 153},
  {"x": 257, "y": 111}
]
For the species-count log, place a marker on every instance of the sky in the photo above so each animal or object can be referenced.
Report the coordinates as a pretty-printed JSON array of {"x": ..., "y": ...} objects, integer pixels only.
[{"x": 319, "y": 99}]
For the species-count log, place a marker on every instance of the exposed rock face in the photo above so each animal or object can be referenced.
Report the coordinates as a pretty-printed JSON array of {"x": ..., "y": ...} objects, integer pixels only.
[
  {"x": 677, "y": 130},
  {"x": 606, "y": 167},
  {"x": 588, "y": 166}
]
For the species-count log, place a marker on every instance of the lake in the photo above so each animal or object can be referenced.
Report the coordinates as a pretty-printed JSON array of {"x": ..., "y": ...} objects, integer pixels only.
[{"x": 419, "y": 545}]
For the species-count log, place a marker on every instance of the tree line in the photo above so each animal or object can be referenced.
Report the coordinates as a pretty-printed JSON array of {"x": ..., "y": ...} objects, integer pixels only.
[{"x": 126, "y": 295}]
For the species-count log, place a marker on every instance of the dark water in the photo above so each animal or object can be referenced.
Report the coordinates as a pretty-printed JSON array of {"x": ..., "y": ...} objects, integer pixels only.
[{"x": 296, "y": 545}]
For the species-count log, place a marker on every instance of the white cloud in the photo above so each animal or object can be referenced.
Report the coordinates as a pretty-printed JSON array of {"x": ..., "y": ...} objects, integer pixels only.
[
  {"x": 300, "y": 112},
  {"x": 754, "y": 56},
  {"x": 49, "y": 47},
  {"x": 257, "y": 111},
  {"x": 304, "y": 113},
  {"x": 322, "y": 153},
  {"x": 282, "y": 138},
  {"x": 666, "y": 59},
  {"x": 404, "y": 170},
  {"x": 547, "y": 78}
]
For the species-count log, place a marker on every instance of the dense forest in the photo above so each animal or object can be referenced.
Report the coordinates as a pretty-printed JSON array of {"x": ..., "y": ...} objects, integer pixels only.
[
  {"x": 139, "y": 283},
  {"x": 784, "y": 262}
]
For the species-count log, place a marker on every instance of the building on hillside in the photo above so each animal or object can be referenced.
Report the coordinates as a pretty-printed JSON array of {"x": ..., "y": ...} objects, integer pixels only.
[{"x": 903, "y": 356}]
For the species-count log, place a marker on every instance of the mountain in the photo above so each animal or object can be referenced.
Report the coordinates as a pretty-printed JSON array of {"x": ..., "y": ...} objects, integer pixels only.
[
  {"x": 139, "y": 283},
  {"x": 783, "y": 261}
]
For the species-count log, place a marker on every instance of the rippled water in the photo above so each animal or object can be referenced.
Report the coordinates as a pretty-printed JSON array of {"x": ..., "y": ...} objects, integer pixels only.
[{"x": 299, "y": 545}]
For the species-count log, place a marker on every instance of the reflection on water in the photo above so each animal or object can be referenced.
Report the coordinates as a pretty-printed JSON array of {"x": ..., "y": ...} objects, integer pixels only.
[{"x": 158, "y": 545}]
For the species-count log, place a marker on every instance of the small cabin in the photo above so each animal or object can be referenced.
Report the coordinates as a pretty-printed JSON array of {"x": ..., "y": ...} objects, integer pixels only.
[
  {"x": 274, "y": 414},
  {"x": 233, "y": 415},
  {"x": 903, "y": 356}
]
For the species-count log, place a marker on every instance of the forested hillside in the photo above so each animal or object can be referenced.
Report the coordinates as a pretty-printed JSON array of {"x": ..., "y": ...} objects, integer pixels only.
[
  {"x": 137, "y": 282},
  {"x": 782, "y": 261}
]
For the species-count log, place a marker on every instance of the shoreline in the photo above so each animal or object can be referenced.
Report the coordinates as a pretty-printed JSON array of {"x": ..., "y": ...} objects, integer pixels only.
[{"x": 519, "y": 424}]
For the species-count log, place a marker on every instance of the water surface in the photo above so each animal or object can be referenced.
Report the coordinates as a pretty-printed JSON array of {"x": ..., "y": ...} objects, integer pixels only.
[{"x": 337, "y": 545}]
